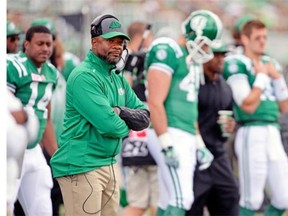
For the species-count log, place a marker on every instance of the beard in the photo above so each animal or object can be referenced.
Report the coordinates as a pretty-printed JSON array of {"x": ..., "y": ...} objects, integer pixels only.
[{"x": 109, "y": 60}]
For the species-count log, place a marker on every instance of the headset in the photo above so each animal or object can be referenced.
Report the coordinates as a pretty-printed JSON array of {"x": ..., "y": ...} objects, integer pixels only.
[
  {"x": 121, "y": 64},
  {"x": 96, "y": 30}
]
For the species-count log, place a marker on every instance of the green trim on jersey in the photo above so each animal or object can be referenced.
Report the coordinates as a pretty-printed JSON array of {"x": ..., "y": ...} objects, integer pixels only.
[
  {"x": 92, "y": 131},
  {"x": 33, "y": 88},
  {"x": 268, "y": 110},
  {"x": 182, "y": 99}
]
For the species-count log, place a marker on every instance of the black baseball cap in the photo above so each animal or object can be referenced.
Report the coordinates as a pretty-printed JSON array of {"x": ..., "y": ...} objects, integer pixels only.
[{"x": 107, "y": 26}]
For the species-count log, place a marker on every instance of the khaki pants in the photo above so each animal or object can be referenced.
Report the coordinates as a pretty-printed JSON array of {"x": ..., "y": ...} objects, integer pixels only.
[
  {"x": 142, "y": 186},
  {"x": 92, "y": 193}
]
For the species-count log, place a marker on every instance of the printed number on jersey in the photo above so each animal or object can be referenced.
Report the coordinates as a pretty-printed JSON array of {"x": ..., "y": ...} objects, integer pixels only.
[
  {"x": 38, "y": 101},
  {"x": 190, "y": 83},
  {"x": 267, "y": 94}
]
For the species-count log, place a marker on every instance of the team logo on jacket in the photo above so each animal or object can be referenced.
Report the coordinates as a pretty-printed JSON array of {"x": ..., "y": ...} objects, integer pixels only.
[{"x": 121, "y": 91}]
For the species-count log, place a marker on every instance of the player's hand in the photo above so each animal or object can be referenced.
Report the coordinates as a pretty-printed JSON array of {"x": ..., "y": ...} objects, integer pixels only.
[
  {"x": 259, "y": 67},
  {"x": 230, "y": 126},
  {"x": 273, "y": 73},
  {"x": 227, "y": 125},
  {"x": 204, "y": 158},
  {"x": 171, "y": 158},
  {"x": 116, "y": 110}
]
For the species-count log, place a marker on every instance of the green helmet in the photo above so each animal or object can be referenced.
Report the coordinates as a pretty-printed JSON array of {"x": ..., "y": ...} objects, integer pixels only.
[
  {"x": 48, "y": 23},
  {"x": 202, "y": 27}
]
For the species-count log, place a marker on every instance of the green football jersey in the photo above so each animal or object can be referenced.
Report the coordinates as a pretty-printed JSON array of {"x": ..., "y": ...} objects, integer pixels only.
[
  {"x": 182, "y": 99},
  {"x": 33, "y": 86},
  {"x": 71, "y": 61},
  {"x": 237, "y": 66},
  {"x": 58, "y": 103}
]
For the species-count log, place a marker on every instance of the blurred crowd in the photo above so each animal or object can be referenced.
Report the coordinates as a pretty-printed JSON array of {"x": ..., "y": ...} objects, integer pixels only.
[
  {"x": 72, "y": 17},
  {"x": 272, "y": 11}
]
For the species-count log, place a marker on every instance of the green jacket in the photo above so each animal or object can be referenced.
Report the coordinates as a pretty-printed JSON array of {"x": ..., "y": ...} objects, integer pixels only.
[{"x": 92, "y": 131}]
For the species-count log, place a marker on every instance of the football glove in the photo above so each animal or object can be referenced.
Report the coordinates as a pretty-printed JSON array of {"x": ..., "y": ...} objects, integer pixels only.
[
  {"x": 171, "y": 159},
  {"x": 204, "y": 156}
]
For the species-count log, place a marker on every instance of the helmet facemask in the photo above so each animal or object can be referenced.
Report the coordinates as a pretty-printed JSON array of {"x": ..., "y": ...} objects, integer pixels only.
[
  {"x": 202, "y": 29},
  {"x": 197, "y": 52}
]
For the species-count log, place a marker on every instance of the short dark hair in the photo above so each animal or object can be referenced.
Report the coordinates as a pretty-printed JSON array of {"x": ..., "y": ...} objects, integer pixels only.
[
  {"x": 250, "y": 25},
  {"x": 36, "y": 29}
]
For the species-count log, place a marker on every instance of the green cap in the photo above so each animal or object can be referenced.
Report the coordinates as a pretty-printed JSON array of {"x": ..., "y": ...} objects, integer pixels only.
[
  {"x": 107, "y": 26},
  {"x": 239, "y": 23},
  {"x": 48, "y": 23},
  {"x": 11, "y": 29},
  {"x": 219, "y": 47}
]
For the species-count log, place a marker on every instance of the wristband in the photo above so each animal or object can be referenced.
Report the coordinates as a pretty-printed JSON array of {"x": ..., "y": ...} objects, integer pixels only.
[
  {"x": 280, "y": 88},
  {"x": 165, "y": 140},
  {"x": 199, "y": 141},
  {"x": 261, "y": 81}
]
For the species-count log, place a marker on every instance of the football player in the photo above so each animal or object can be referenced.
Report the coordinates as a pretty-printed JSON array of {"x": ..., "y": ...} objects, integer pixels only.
[
  {"x": 260, "y": 93},
  {"x": 33, "y": 80},
  {"x": 174, "y": 71}
]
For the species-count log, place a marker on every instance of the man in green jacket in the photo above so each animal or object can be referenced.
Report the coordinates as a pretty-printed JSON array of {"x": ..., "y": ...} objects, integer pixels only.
[{"x": 101, "y": 108}]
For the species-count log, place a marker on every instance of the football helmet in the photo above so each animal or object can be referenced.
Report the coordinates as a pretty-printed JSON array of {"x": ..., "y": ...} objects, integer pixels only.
[{"x": 202, "y": 30}]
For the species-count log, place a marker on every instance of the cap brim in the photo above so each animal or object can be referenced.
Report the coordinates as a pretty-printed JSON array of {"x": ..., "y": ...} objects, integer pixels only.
[
  {"x": 219, "y": 50},
  {"x": 14, "y": 33},
  {"x": 219, "y": 47},
  {"x": 114, "y": 34}
]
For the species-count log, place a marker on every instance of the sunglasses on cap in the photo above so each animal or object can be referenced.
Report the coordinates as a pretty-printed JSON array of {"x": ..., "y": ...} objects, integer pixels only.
[{"x": 13, "y": 38}]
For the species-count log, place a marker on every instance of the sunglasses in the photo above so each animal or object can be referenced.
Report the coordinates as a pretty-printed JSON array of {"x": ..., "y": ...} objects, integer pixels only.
[{"x": 13, "y": 38}]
